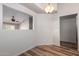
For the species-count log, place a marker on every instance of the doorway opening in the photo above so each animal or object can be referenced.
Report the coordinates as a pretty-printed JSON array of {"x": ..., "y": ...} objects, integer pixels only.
[{"x": 68, "y": 31}]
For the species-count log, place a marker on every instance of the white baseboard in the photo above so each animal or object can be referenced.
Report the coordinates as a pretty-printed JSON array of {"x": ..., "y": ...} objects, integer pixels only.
[
  {"x": 24, "y": 50},
  {"x": 34, "y": 47}
]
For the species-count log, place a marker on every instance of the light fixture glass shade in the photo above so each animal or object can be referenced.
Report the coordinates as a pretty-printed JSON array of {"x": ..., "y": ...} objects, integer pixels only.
[{"x": 49, "y": 8}]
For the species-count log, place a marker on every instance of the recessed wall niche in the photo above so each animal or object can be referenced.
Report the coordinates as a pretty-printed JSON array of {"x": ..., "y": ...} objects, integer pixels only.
[{"x": 16, "y": 20}]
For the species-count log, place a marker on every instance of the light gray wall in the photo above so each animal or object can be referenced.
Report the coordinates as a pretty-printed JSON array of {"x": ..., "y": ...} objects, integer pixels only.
[
  {"x": 47, "y": 29},
  {"x": 1, "y": 10},
  {"x": 68, "y": 29},
  {"x": 63, "y": 9},
  {"x": 15, "y": 42},
  {"x": 68, "y": 9}
]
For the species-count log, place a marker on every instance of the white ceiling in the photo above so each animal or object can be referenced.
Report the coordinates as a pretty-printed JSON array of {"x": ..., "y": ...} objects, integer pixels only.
[{"x": 39, "y": 7}]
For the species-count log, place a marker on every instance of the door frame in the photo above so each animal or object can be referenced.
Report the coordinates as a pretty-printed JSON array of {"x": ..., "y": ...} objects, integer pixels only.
[{"x": 76, "y": 14}]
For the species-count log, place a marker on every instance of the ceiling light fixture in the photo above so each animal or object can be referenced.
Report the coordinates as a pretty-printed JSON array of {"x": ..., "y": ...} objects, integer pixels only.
[{"x": 49, "y": 8}]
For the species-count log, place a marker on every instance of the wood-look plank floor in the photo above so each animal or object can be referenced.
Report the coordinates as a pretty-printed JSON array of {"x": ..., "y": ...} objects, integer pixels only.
[
  {"x": 50, "y": 50},
  {"x": 69, "y": 45}
]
